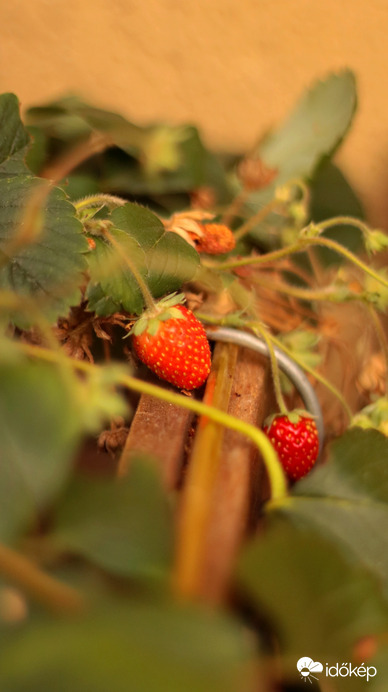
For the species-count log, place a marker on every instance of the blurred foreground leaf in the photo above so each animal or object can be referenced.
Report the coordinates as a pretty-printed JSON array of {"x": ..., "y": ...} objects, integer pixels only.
[
  {"x": 39, "y": 432},
  {"x": 346, "y": 500},
  {"x": 124, "y": 526},
  {"x": 315, "y": 600},
  {"x": 41, "y": 241},
  {"x": 130, "y": 647}
]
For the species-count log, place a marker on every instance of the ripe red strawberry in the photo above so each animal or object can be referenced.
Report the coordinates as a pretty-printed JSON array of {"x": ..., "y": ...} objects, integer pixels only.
[
  {"x": 172, "y": 342},
  {"x": 295, "y": 438}
]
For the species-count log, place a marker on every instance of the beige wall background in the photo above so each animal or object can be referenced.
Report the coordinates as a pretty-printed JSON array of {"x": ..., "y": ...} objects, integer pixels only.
[{"x": 232, "y": 67}]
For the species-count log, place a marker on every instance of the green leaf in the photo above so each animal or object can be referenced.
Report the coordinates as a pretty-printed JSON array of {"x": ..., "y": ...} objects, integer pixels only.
[
  {"x": 125, "y": 527},
  {"x": 13, "y": 137},
  {"x": 113, "y": 287},
  {"x": 164, "y": 260},
  {"x": 99, "y": 302},
  {"x": 97, "y": 398},
  {"x": 314, "y": 130},
  {"x": 41, "y": 250},
  {"x": 130, "y": 647},
  {"x": 170, "y": 260},
  {"x": 59, "y": 119},
  {"x": 124, "y": 134},
  {"x": 50, "y": 267},
  {"x": 153, "y": 160},
  {"x": 39, "y": 432},
  {"x": 139, "y": 223},
  {"x": 315, "y": 601},
  {"x": 346, "y": 500}
]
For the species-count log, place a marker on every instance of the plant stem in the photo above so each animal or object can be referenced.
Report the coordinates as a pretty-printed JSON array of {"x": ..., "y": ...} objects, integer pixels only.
[
  {"x": 58, "y": 597},
  {"x": 343, "y": 221},
  {"x": 333, "y": 245},
  {"x": 110, "y": 201},
  {"x": 316, "y": 375},
  {"x": 275, "y": 472},
  {"x": 306, "y": 294},
  {"x": 260, "y": 329},
  {"x": 256, "y": 218},
  {"x": 301, "y": 246},
  {"x": 267, "y": 258}
]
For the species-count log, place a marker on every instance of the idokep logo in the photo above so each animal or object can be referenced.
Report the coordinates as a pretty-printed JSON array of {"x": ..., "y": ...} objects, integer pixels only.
[{"x": 307, "y": 667}]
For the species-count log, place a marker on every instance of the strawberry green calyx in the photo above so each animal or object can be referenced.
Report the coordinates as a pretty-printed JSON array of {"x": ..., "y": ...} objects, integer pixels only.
[
  {"x": 293, "y": 416},
  {"x": 164, "y": 310}
]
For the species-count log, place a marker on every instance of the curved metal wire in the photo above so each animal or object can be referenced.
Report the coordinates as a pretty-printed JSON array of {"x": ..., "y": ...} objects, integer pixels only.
[{"x": 286, "y": 364}]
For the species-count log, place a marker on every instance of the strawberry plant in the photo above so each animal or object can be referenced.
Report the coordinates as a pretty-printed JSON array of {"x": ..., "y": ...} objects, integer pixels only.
[{"x": 122, "y": 247}]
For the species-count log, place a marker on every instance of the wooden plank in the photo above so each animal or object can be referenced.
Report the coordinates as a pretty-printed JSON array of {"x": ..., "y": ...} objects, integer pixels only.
[
  {"x": 241, "y": 474},
  {"x": 216, "y": 502},
  {"x": 160, "y": 429}
]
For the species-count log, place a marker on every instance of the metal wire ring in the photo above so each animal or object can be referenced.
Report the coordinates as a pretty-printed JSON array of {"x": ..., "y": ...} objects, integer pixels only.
[{"x": 286, "y": 364}]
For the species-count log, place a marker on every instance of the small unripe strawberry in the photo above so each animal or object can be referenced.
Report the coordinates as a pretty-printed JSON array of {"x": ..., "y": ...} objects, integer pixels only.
[
  {"x": 172, "y": 342},
  {"x": 295, "y": 438}
]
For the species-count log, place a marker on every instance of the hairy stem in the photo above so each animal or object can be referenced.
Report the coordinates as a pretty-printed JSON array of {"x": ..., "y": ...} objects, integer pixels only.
[
  {"x": 343, "y": 221},
  {"x": 333, "y": 245},
  {"x": 268, "y": 258},
  {"x": 92, "y": 201},
  {"x": 307, "y": 294},
  {"x": 301, "y": 246}
]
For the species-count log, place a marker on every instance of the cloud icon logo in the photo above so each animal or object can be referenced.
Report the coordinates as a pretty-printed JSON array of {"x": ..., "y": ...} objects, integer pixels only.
[{"x": 307, "y": 667}]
